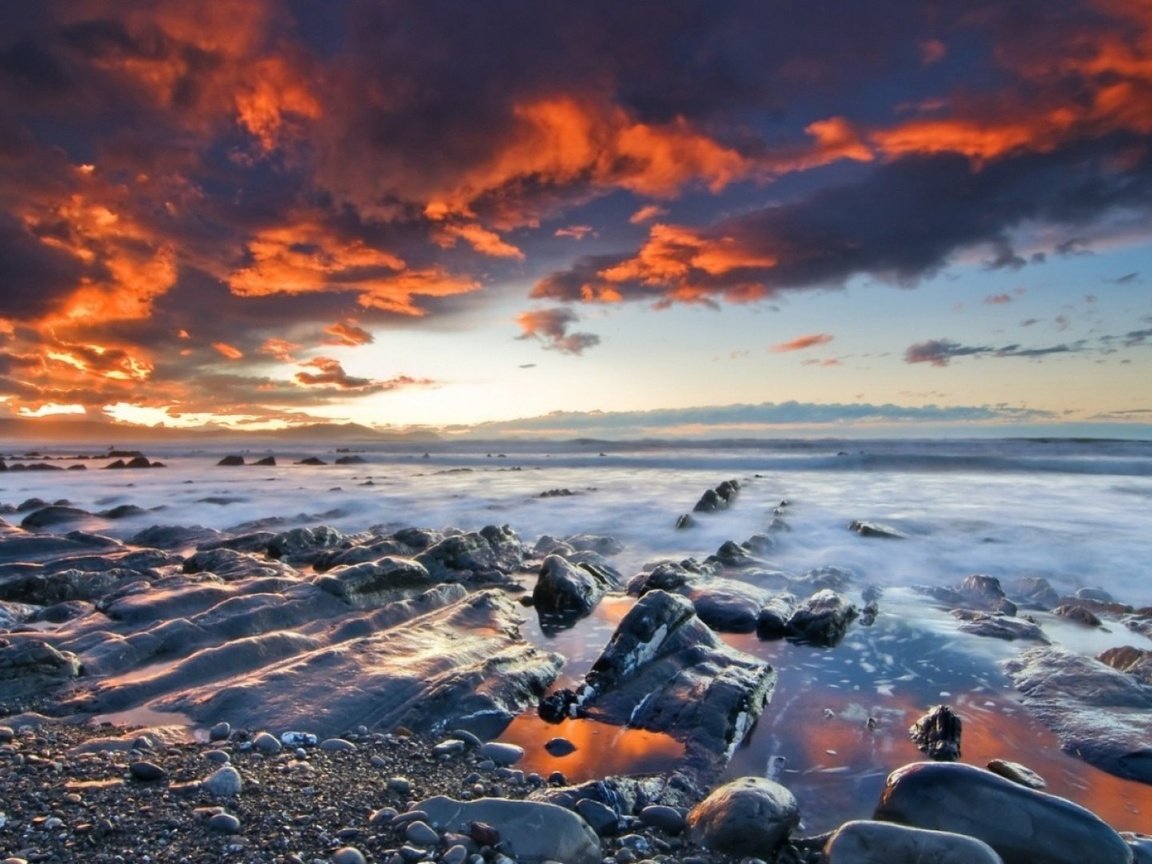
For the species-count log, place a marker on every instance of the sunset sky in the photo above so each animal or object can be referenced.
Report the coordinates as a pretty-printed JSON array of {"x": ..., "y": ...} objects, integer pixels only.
[{"x": 740, "y": 217}]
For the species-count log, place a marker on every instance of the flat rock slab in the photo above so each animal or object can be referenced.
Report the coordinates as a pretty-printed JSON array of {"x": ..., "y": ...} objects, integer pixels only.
[
  {"x": 1023, "y": 825},
  {"x": 531, "y": 832},
  {"x": 1100, "y": 714}
]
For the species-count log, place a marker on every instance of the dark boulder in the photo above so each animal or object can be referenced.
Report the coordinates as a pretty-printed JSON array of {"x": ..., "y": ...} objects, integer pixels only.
[
  {"x": 865, "y": 842},
  {"x": 1134, "y": 661},
  {"x": 772, "y": 619},
  {"x": 1078, "y": 614},
  {"x": 351, "y": 460},
  {"x": 231, "y": 461},
  {"x": 822, "y": 619},
  {"x": 727, "y": 605},
  {"x": 373, "y": 583},
  {"x": 876, "y": 529},
  {"x": 30, "y": 665},
  {"x": 937, "y": 734},
  {"x": 305, "y": 545},
  {"x": 998, "y": 626},
  {"x": 122, "y": 511},
  {"x": 266, "y": 462},
  {"x": 565, "y": 591},
  {"x": 53, "y": 515},
  {"x": 231, "y": 565},
  {"x": 311, "y": 460},
  {"x": 976, "y": 592},
  {"x": 748, "y": 817},
  {"x": 488, "y": 555}
]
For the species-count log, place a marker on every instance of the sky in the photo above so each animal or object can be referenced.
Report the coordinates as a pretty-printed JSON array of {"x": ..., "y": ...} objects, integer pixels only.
[{"x": 740, "y": 217}]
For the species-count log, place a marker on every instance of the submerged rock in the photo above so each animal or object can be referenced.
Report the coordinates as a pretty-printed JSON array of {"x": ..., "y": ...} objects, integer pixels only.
[
  {"x": 876, "y": 529},
  {"x": 822, "y": 619},
  {"x": 1023, "y": 825},
  {"x": 998, "y": 626},
  {"x": 937, "y": 734}
]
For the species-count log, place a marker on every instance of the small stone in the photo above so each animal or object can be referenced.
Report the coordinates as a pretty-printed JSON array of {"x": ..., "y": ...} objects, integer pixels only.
[
  {"x": 6, "y": 734},
  {"x": 224, "y": 783},
  {"x": 412, "y": 853},
  {"x": 146, "y": 772},
  {"x": 667, "y": 819},
  {"x": 748, "y": 816},
  {"x": 1017, "y": 773},
  {"x": 457, "y": 854},
  {"x": 448, "y": 747},
  {"x": 299, "y": 739},
  {"x": 217, "y": 757},
  {"x": 220, "y": 731},
  {"x": 348, "y": 855},
  {"x": 266, "y": 744},
  {"x": 603, "y": 819},
  {"x": 337, "y": 745},
  {"x": 483, "y": 834},
  {"x": 400, "y": 785},
  {"x": 224, "y": 823},
  {"x": 559, "y": 747},
  {"x": 421, "y": 833},
  {"x": 467, "y": 737},
  {"x": 502, "y": 753}
]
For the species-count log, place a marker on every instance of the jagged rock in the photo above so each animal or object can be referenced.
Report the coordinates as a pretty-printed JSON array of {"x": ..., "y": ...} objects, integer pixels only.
[
  {"x": 876, "y": 529},
  {"x": 488, "y": 555},
  {"x": 998, "y": 626},
  {"x": 822, "y": 619},
  {"x": 668, "y": 576},
  {"x": 351, "y": 460},
  {"x": 30, "y": 665},
  {"x": 735, "y": 556},
  {"x": 532, "y": 832},
  {"x": 46, "y": 588},
  {"x": 666, "y": 671},
  {"x": 312, "y": 460},
  {"x": 717, "y": 499},
  {"x": 304, "y": 545},
  {"x": 1023, "y": 825},
  {"x": 1078, "y": 614},
  {"x": 231, "y": 565},
  {"x": 866, "y": 842},
  {"x": 12, "y": 614},
  {"x": 832, "y": 578},
  {"x": 1134, "y": 661},
  {"x": 1033, "y": 592},
  {"x": 266, "y": 462},
  {"x": 937, "y": 734},
  {"x": 625, "y": 796},
  {"x": 372, "y": 583},
  {"x": 727, "y": 605},
  {"x": 976, "y": 592},
  {"x": 231, "y": 461},
  {"x": 772, "y": 619},
  {"x": 1102, "y": 715},
  {"x": 751, "y": 816},
  {"x": 566, "y": 592}
]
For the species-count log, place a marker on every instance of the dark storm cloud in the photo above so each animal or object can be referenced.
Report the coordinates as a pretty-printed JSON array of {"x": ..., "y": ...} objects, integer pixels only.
[{"x": 941, "y": 352}]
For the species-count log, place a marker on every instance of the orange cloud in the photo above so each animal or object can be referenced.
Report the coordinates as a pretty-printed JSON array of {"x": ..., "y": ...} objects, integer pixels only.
[
  {"x": 281, "y": 349},
  {"x": 647, "y": 213},
  {"x": 802, "y": 342},
  {"x": 481, "y": 239},
  {"x": 229, "y": 351},
  {"x": 672, "y": 252},
  {"x": 347, "y": 332}
]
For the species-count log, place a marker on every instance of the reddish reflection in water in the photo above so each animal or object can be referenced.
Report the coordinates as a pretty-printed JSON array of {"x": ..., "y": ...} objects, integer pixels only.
[{"x": 601, "y": 750}]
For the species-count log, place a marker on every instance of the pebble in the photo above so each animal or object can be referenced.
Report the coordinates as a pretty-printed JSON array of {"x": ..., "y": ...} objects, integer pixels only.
[
  {"x": 400, "y": 785},
  {"x": 146, "y": 772},
  {"x": 267, "y": 744},
  {"x": 299, "y": 739},
  {"x": 224, "y": 783},
  {"x": 348, "y": 855},
  {"x": 220, "y": 732},
  {"x": 217, "y": 757},
  {"x": 382, "y": 817},
  {"x": 411, "y": 853},
  {"x": 502, "y": 753},
  {"x": 448, "y": 747},
  {"x": 457, "y": 854},
  {"x": 421, "y": 833},
  {"x": 411, "y": 816},
  {"x": 467, "y": 737},
  {"x": 225, "y": 823},
  {"x": 667, "y": 819},
  {"x": 337, "y": 745},
  {"x": 7, "y": 734}
]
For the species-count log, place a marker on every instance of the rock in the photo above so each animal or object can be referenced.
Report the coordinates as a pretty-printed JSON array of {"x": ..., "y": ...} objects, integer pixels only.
[
  {"x": 348, "y": 855},
  {"x": 31, "y": 665},
  {"x": 937, "y": 734},
  {"x": 1023, "y": 826},
  {"x": 998, "y": 626},
  {"x": 863, "y": 842},
  {"x": 751, "y": 816},
  {"x": 666, "y": 671},
  {"x": 1033, "y": 592},
  {"x": 1017, "y": 773},
  {"x": 232, "y": 566},
  {"x": 1100, "y": 714},
  {"x": 604, "y": 820},
  {"x": 298, "y": 739},
  {"x": 266, "y": 462},
  {"x": 46, "y": 517},
  {"x": 146, "y": 772},
  {"x": 665, "y": 818},
  {"x": 822, "y": 619},
  {"x": 876, "y": 529},
  {"x": 1141, "y": 846},
  {"x": 223, "y": 783},
  {"x": 311, "y": 460},
  {"x": 728, "y": 605},
  {"x": 337, "y": 745},
  {"x": 220, "y": 731},
  {"x": 1134, "y": 661},
  {"x": 976, "y": 592},
  {"x": 373, "y": 583},
  {"x": 502, "y": 753},
  {"x": 772, "y": 619},
  {"x": 175, "y": 536},
  {"x": 559, "y": 747},
  {"x": 224, "y": 823},
  {"x": 304, "y": 545},
  {"x": 565, "y": 592},
  {"x": 421, "y": 833},
  {"x": 231, "y": 461},
  {"x": 1098, "y": 595},
  {"x": 667, "y": 576},
  {"x": 488, "y": 555},
  {"x": 735, "y": 556},
  {"x": 531, "y": 832},
  {"x": 351, "y": 460},
  {"x": 1078, "y": 614}
]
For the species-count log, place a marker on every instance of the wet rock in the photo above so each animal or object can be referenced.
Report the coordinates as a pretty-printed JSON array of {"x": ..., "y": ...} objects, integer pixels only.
[
  {"x": 1023, "y": 825},
  {"x": 1017, "y": 773},
  {"x": 122, "y": 511},
  {"x": 30, "y": 665},
  {"x": 266, "y": 462},
  {"x": 937, "y": 734},
  {"x": 666, "y": 671},
  {"x": 146, "y": 772},
  {"x": 772, "y": 619},
  {"x": 13, "y": 614},
  {"x": 998, "y": 626},
  {"x": 976, "y": 592},
  {"x": 531, "y": 832},
  {"x": 832, "y": 578},
  {"x": 864, "y": 842},
  {"x": 876, "y": 529},
  {"x": 304, "y": 545},
  {"x": 1102, "y": 715},
  {"x": 373, "y": 583},
  {"x": 822, "y": 619},
  {"x": 734, "y": 556},
  {"x": 351, "y": 460},
  {"x": 1078, "y": 614},
  {"x": 231, "y": 461},
  {"x": 47, "y": 517},
  {"x": 311, "y": 460},
  {"x": 1141, "y": 846},
  {"x": 175, "y": 536},
  {"x": 1033, "y": 592},
  {"x": 559, "y": 747},
  {"x": 1134, "y": 661},
  {"x": 603, "y": 819},
  {"x": 266, "y": 743},
  {"x": 565, "y": 592},
  {"x": 488, "y": 555},
  {"x": 502, "y": 753},
  {"x": 751, "y": 816},
  {"x": 1098, "y": 595},
  {"x": 223, "y": 783},
  {"x": 727, "y": 605},
  {"x": 224, "y": 823},
  {"x": 231, "y": 565},
  {"x": 664, "y": 818},
  {"x": 348, "y": 855},
  {"x": 220, "y": 731},
  {"x": 668, "y": 576}
]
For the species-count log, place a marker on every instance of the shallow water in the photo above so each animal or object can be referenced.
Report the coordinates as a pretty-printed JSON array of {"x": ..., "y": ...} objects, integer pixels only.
[{"x": 1072, "y": 512}]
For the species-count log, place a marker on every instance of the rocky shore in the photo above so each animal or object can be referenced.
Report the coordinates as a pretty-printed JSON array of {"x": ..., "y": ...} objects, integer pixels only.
[{"x": 349, "y": 692}]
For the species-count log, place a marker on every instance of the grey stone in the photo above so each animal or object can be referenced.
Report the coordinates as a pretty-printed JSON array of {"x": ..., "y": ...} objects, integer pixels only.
[
  {"x": 373, "y": 583},
  {"x": 348, "y": 855},
  {"x": 565, "y": 592},
  {"x": 604, "y": 820},
  {"x": 457, "y": 854},
  {"x": 1023, "y": 825},
  {"x": 1017, "y": 773},
  {"x": 863, "y": 842},
  {"x": 225, "y": 823},
  {"x": 421, "y": 833},
  {"x": 337, "y": 745},
  {"x": 146, "y": 772},
  {"x": 727, "y": 605},
  {"x": 223, "y": 783},
  {"x": 821, "y": 619},
  {"x": 220, "y": 731},
  {"x": 266, "y": 743},
  {"x": 748, "y": 816},
  {"x": 559, "y": 747},
  {"x": 667, "y": 819},
  {"x": 488, "y": 555},
  {"x": 876, "y": 529},
  {"x": 998, "y": 626},
  {"x": 502, "y": 753},
  {"x": 532, "y": 832}
]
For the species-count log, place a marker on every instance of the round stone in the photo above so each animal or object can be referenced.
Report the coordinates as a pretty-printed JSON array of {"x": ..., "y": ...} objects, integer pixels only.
[
  {"x": 502, "y": 753},
  {"x": 749, "y": 816},
  {"x": 400, "y": 785},
  {"x": 559, "y": 746},
  {"x": 337, "y": 745},
  {"x": 667, "y": 819},
  {"x": 348, "y": 855},
  {"x": 220, "y": 731},
  {"x": 266, "y": 744},
  {"x": 421, "y": 834},
  {"x": 457, "y": 854},
  {"x": 225, "y": 823},
  {"x": 224, "y": 783},
  {"x": 146, "y": 772},
  {"x": 217, "y": 757}
]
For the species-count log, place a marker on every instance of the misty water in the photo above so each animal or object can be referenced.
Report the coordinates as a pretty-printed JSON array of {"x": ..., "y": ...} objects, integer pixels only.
[{"x": 1075, "y": 513}]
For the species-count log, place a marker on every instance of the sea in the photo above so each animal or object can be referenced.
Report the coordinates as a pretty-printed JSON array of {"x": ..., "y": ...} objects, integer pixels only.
[{"x": 1075, "y": 512}]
